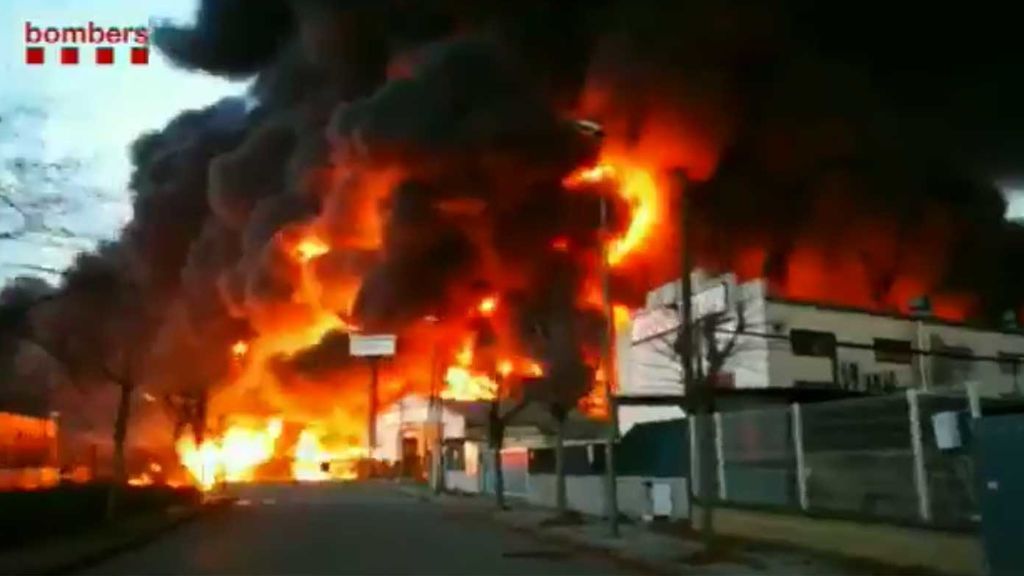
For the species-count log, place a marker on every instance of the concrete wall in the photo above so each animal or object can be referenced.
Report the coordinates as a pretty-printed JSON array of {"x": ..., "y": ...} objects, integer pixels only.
[
  {"x": 630, "y": 416},
  {"x": 459, "y": 481},
  {"x": 585, "y": 494},
  {"x": 410, "y": 413}
]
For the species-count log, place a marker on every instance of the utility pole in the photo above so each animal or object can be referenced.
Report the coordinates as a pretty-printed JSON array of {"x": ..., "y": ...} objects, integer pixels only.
[
  {"x": 686, "y": 297},
  {"x": 371, "y": 417},
  {"x": 437, "y": 406},
  {"x": 608, "y": 364},
  {"x": 693, "y": 397}
]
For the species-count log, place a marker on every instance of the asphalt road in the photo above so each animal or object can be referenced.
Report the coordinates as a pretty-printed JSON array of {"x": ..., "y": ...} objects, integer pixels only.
[{"x": 347, "y": 529}]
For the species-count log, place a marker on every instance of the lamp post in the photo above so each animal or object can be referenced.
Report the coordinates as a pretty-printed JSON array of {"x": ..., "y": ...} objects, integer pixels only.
[
  {"x": 437, "y": 414},
  {"x": 697, "y": 398},
  {"x": 611, "y": 483}
]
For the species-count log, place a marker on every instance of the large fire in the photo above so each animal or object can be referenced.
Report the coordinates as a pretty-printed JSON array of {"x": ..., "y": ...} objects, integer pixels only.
[
  {"x": 247, "y": 447},
  {"x": 437, "y": 184},
  {"x": 241, "y": 452},
  {"x": 231, "y": 458},
  {"x": 470, "y": 354}
]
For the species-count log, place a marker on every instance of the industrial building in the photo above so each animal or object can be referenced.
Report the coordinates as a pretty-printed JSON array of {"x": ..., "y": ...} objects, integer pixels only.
[{"x": 789, "y": 350}]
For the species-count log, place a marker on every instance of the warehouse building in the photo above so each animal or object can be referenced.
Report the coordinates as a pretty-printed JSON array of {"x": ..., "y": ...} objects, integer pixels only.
[{"x": 789, "y": 350}]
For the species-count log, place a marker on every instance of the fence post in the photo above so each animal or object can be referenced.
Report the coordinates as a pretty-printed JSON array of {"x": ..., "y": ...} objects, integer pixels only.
[
  {"x": 924, "y": 507},
  {"x": 723, "y": 493},
  {"x": 973, "y": 400},
  {"x": 798, "y": 447},
  {"x": 695, "y": 462}
]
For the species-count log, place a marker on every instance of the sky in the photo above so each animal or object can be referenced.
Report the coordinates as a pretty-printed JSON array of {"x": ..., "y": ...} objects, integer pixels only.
[{"x": 90, "y": 113}]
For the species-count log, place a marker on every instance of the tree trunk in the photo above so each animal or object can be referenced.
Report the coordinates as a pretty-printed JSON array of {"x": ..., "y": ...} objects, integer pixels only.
[
  {"x": 708, "y": 466},
  {"x": 497, "y": 434},
  {"x": 124, "y": 406},
  {"x": 499, "y": 480},
  {"x": 437, "y": 457},
  {"x": 561, "y": 502}
]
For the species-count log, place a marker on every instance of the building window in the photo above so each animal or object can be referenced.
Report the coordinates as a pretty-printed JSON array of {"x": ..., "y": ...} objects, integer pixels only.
[
  {"x": 1011, "y": 364},
  {"x": 471, "y": 456},
  {"x": 893, "y": 351},
  {"x": 724, "y": 379},
  {"x": 455, "y": 456},
  {"x": 812, "y": 343},
  {"x": 541, "y": 461},
  {"x": 952, "y": 365},
  {"x": 957, "y": 353}
]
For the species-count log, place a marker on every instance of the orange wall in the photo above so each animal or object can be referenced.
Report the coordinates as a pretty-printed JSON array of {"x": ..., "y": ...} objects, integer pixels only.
[{"x": 27, "y": 442}]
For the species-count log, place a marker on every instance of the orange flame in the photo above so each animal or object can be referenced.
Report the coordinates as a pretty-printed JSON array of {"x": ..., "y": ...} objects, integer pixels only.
[
  {"x": 242, "y": 449},
  {"x": 465, "y": 385},
  {"x": 321, "y": 300},
  {"x": 143, "y": 479},
  {"x": 534, "y": 369},
  {"x": 487, "y": 306},
  {"x": 232, "y": 458},
  {"x": 636, "y": 185},
  {"x": 311, "y": 247},
  {"x": 240, "y": 349},
  {"x": 505, "y": 367},
  {"x": 595, "y": 402},
  {"x": 314, "y": 462}
]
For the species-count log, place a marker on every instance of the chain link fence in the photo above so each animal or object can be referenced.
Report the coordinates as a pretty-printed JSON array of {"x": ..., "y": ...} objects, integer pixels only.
[
  {"x": 859, "y": 458},
  {"x": 758, "y": 457},
  {"x": 896, "y": 458},
  {"x": 950, "y": 470}
]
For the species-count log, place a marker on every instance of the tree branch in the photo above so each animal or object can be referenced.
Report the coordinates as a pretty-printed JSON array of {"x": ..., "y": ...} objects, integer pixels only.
[{"x": 516, "y": 409}]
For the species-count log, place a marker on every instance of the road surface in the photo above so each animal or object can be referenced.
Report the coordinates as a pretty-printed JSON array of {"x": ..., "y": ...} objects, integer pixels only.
[{"x": 350, "y": 528}]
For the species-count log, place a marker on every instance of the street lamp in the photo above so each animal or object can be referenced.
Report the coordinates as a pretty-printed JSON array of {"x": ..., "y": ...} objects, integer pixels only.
[
  {"x": 436, "y": 412},
  {"x": 596, "y": 132},
  {"x": 611, "y": 483}
]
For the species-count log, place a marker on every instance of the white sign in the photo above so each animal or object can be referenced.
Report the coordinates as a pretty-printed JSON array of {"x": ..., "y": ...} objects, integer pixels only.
[
  {"x": 711, "y": 301},
  {"x": 371, "y": 344},
  {"x": 658, "y": 321},
  {"x": 946, "y": 426},
  {"x": 651, "y": 323}
]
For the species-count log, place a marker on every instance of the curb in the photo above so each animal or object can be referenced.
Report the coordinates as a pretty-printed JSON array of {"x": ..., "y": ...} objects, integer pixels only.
[
  {"x": 544, "y": 535},
  {"x": 632, "y": 563}
]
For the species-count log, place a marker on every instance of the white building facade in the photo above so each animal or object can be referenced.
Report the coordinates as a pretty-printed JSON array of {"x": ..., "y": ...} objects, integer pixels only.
[{"x": 786, "y": 344}]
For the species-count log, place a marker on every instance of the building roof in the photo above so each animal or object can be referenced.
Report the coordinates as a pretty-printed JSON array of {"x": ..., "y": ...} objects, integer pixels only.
[
  {"x": 894, "y": 315},
  {"x": 731, "y": 398},
  {"x": 704, "y": 283},
  {"x": 535, "y": 414}
]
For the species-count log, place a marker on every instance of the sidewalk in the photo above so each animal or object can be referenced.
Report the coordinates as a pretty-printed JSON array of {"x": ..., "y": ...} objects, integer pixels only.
[
  {"x": 76, "y": 552},
  {"x": 660, "y": 549}
]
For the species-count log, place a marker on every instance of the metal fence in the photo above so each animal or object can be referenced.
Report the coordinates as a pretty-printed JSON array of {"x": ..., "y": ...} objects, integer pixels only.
[
  {"x": 877, "y": 458},
  {"x": 758, "y": 458}
]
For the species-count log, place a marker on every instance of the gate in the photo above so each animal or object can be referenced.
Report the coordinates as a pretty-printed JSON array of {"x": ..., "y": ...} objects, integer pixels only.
[{"x": 1000, "y": 471}]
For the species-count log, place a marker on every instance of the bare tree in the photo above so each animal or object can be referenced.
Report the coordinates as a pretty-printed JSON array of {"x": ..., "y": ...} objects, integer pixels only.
[
  {"x": 99, "y": 331},
  {"x": 715, "y": 351},
  {"x": 566, "y": 379},
  {"x": 499, "y": 414},
  {"x": 38, "y": 193},
  {"x": 715, "y": 338},
  {"x": 18, "y": 390}
]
